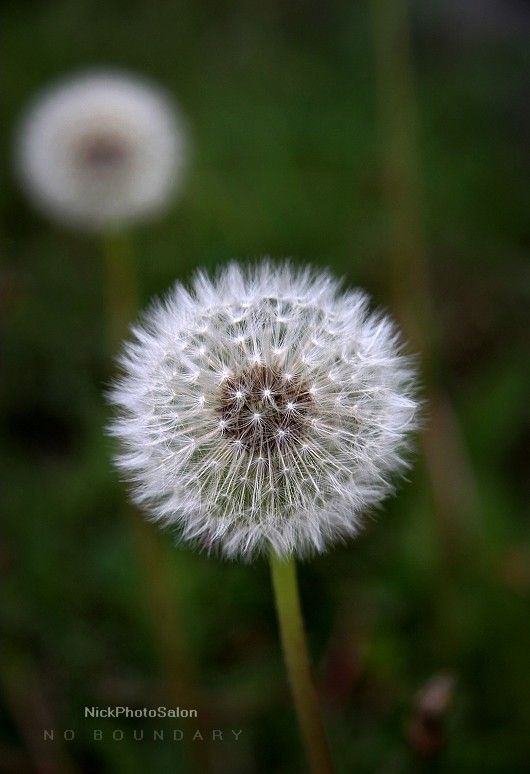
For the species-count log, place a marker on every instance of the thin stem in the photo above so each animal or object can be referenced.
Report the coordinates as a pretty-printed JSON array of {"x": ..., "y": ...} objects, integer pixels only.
[
  {"x": 294, "y": 644},
  {"x": 453, "y": 486},
  {"x": 120, "y": 287},
  {"x": 402, "y": 194}
]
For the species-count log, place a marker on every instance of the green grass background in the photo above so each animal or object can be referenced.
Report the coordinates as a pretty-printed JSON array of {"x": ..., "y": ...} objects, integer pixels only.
[{"x": 287, "y": 149}]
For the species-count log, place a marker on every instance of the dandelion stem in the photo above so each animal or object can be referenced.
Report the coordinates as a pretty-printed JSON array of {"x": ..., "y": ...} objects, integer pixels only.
[
  {"x": 121, "y": 287},
  {"x": 294, "y": 644}
]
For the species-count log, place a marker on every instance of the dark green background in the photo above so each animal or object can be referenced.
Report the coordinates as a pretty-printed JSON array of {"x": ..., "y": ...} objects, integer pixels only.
[{"x": 282, "y": 100}]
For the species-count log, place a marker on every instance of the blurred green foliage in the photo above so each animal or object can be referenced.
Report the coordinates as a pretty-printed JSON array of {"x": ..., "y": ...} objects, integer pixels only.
[{"x": 281, "y": 100}]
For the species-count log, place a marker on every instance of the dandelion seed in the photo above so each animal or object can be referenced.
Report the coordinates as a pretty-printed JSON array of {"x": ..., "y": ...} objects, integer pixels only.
[
  {"x": 101, "y": 150},
  {"x": 337, "y": 417}
]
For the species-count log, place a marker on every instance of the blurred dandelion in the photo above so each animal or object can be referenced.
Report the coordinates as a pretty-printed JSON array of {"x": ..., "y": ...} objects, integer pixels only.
[
  {"x": 265, "y": 411},
  {"x": 101, "y": 150}
]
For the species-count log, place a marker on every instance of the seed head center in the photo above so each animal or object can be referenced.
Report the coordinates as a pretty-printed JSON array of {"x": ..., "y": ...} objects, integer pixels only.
[
  {"x": 264, "y": 409},
  {"x": 103, "y": 151}
]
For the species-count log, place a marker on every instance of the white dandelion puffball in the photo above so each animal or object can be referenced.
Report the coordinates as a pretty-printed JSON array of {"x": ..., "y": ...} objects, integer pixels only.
[
  {"x": 101, "y": 150},
  {"x": 263, "y": 410}
]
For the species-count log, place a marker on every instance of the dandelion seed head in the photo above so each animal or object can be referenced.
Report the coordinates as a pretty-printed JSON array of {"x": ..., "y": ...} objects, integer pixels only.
[
  {"x": 297, "y": 440},
  {"x": 100, "y": 150}
]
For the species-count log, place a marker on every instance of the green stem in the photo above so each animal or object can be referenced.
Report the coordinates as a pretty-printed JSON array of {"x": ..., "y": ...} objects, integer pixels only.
[
  {"x": 120, "y": 287},
  {"x": 453, "y": 486},
  {"x": 294, "y": 644}
]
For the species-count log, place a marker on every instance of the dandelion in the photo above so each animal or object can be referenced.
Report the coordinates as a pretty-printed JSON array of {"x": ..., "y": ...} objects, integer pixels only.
[
  {"x": 265, "y": 411},
  {"x": 101, "y": 150}
]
